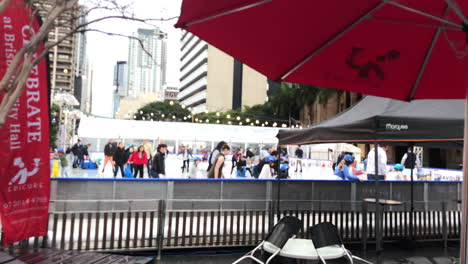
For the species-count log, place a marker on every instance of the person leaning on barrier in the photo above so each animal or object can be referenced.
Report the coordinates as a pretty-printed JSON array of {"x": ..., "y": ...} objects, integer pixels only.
[
  {"x": 216, "y": 170},
  {"x": 214, "y": 155}
]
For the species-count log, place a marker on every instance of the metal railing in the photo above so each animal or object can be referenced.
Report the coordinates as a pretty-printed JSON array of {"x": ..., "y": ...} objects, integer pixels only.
[{"x": 118, "y": 225}]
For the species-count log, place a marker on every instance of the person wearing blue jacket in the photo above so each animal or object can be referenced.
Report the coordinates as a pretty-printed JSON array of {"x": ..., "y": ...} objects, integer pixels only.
[{"x": 344, "y": 170}]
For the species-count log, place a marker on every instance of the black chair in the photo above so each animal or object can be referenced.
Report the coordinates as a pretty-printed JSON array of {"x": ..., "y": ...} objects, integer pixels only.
[
  {"x": 328, "y": 243},
  {"x": 285, "y": 229}
]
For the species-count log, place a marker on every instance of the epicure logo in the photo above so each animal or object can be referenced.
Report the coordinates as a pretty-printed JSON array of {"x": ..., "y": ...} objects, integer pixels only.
[{"x": 390, "y": 126}]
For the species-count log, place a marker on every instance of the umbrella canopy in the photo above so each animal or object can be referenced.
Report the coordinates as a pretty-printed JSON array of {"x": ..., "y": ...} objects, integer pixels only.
[
  {"x": 435, "y": 123},
  {"x": 398, "y": 49},
  {"x": 66, "y": 99}
]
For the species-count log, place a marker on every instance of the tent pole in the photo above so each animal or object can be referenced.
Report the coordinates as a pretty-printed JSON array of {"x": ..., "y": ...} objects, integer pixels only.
[
  {"x": 412, "y": 194},
  {"x": 463, "y": 236},
  {"x": 378, "y": 246},
  {"x": 279, "y": 183}
]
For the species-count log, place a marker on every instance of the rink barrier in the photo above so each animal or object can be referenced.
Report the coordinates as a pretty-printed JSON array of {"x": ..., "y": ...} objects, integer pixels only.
[{"x": 157, "y": 228}]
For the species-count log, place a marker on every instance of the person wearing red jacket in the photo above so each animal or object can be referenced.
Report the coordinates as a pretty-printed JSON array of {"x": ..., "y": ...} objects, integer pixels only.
[{"x": 139, "y": 160}]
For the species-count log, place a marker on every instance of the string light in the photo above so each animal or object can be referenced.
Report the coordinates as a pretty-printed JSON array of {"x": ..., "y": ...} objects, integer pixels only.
[
  {"x": 217, "y": 113},
  {"x": 252, "y": 124},
  {"x": 247, "y": 120},
  {"x": 152, "y": 114},
  {"x": 257, "y": 122},
  {"x": 189, "y": 116},
  {"x": 275, "y": 124},
  {"x": 207, "y": 120},
  {"x": 240, "y": 123},
  {"x": 173, "y": 117},
  {"x": 183, "y": 106},
  {"x": 185, "y": 118},
  {"x": 228, "y": 116},
  {"x": 217, "y": 121},
  {"x": 171, "y": 103},
  {"x": 141, "y": 112},
  {"x": 196, "y": 119},
  {"x": 263, "y": 125},
  {"x": 162, "y": 115},
  {"x": 238, "y": 118},
  {"x": 143, "y": 118},
  {"x": 229, "y": 123},
  {"x": 134, "y": 116},
  {"x": 266, "y": 123},
  {"x": 206, "y": 111}
]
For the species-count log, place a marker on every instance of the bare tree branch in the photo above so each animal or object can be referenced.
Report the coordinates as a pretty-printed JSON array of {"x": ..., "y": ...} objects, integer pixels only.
[
  {"x": 65, "y": 14},
  {"x": 4, "y": 4}
]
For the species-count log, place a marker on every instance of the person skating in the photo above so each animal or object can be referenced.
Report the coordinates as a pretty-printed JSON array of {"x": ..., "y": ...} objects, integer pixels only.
[
  {"x": 410, "y": 160},
  {"x": 195, "y": 171},
  {"x": 158, "y": 167},
  {"x": 344, "y": 171},
  {"x": 382, "y": 163},
  {"x": 149, "y": 153},
  {"x": 299, "y": 154},
  {"x": 186, "y": 156},
  {"x": 267, "y": 168},
  {"x": 235, "y": 158},
  {"x": 77, "y": 151},
  {"x": 258, "y": 168},
  {"x": 120, "y": 159},
  {"x": 109, "y": 150},
  {"x": 242, "y": 167},
  {"x": 139, "y": 160}
]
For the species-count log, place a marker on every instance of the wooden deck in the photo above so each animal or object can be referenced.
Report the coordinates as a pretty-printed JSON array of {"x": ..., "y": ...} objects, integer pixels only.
[{"x": 52, "y": 256}]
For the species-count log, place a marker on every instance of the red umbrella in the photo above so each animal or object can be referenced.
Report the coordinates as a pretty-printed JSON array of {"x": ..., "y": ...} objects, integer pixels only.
[{"x": 400, "y": 49}]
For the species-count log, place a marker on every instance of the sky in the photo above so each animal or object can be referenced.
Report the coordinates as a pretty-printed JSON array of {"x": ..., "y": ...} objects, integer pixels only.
[{"x": 103, "y": 51}]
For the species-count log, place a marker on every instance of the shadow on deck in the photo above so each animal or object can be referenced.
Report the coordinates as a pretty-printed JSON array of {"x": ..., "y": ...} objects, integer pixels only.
[{"x": 424, "y": 253}]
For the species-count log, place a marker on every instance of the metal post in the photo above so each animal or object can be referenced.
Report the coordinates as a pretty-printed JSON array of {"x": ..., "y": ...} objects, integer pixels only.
[
  {"x": 364, "y": 226},
  {"x": 161, "y": 225},
  {"x": 464, "y": 223},
  {"x": 411, "y": 216},
  {"x": 378, "y": 239},
  {"x": 444, "y": 223}
]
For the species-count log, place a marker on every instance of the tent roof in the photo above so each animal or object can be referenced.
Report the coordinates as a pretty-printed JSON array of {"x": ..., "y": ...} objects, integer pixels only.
[
  {"x": 132, "y": 129},
  {"x": 388, "y": 121}
]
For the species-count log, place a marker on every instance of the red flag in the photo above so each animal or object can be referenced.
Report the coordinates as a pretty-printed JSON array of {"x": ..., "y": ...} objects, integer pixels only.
[{"x": 24, "y": 138}]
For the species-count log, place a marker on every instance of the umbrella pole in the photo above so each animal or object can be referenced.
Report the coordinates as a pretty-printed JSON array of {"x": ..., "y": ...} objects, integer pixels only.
[
  {"x": 412, "y": 195},
  {"x": 378, "y": 246},
  {"x": 463, "y": 236}
]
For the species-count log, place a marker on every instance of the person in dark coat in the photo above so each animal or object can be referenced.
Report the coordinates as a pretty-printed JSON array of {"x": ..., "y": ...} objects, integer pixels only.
[
  {"x": 120, "y": 159},
  {"x": 78, "y": 157},
  {"x": 109, "y": 150},
  {"x": 159, "y": 167}
]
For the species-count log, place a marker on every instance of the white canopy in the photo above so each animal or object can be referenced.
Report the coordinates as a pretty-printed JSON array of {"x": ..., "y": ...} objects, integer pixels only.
[
  {"x": 131, "y": 129},
  {"x": 320, "y": 151}
]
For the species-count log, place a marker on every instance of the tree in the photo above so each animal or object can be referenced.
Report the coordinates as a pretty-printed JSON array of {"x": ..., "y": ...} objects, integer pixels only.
[
  {"x": 54, "y": 125},
  {"x": 56, "y": 13},
  {"x": 161, "y": 111}
]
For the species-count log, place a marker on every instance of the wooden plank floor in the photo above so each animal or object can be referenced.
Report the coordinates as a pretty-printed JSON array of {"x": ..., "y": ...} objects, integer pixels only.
[{"x": 52, "y": 256}]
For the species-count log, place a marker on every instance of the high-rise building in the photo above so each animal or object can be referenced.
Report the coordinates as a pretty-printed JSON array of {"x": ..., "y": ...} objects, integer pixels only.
[
  {"x": 120, "y": 84},
  {"x": 120, "y": 78},
  {"x": 80, "y": 84},
  {"x": 211, "y": 80},
  {"x": 62, "y": 56},
  {"x": 147, "y": 61}
]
